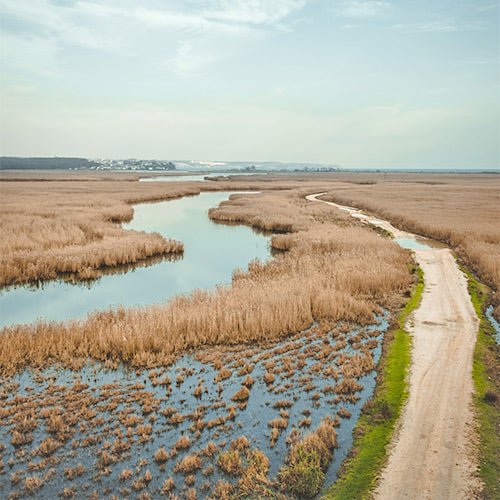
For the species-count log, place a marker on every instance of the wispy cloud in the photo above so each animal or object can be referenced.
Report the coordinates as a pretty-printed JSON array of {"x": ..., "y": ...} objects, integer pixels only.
[
  {"x": 444, "y": 26},
  {"x": 436, "y": 26},
  {"x": 253, "y": 11},
  {"x": 190, "y": 35},
  {"x": 362, "y": 8}
]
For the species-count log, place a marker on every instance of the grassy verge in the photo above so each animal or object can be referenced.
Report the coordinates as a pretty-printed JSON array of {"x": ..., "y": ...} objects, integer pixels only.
[
  {"x": 374, "y": 429},
  {"x": 486, "y": 375}
]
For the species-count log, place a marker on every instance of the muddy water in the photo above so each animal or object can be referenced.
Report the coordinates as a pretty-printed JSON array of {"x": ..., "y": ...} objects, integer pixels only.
[
  {"x": 412, "y": 244},
  {"x": 211, "y": 253},
  {"x": 166, "y": 400}
]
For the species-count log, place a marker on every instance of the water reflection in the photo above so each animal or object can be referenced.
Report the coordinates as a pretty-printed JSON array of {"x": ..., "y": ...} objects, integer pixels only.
[{"x": 211, "y": 253}]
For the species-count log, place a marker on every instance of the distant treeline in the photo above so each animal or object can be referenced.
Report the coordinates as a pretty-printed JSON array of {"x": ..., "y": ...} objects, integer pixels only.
[{"x": 15, "y": 163}]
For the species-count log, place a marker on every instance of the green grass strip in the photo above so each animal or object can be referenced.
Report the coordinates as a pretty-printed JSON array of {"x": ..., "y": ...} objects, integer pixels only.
[
  {"x": 486, "y": 382},
  {"x": 374, "y": 429}
]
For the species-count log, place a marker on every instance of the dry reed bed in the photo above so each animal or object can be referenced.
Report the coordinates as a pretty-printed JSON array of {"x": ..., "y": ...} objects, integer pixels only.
[
  {"x": 50, "y": 228},
  {"x": 462, "y": 211},
  {"x": 332, "y": 270},
  {"x": 58, "y": 223}
]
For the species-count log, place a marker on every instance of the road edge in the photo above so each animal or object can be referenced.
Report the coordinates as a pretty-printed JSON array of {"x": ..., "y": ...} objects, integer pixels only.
[
  {"x": 487, "y": 388},
  {"x": 375, "y": 428}
]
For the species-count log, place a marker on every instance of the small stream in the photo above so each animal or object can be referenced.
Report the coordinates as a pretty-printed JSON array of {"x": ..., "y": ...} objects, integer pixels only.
[
  {"x": 194, "y": 177},
  {"x": 494, "y": 324},
  {"x": 211, "y": 253}
]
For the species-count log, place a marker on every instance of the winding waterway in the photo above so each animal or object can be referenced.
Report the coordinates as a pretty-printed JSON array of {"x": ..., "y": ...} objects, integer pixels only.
[
  {"x": 194, "y": 177},
  {"x": 211, "y": 253}
]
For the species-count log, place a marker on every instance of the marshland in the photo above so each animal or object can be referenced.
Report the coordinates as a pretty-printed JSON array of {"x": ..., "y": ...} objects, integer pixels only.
[{"x": 247, "y": 384}]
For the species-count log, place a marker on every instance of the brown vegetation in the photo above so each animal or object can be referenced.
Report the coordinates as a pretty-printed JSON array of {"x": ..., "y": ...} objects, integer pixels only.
[
  {"x": 331, "y": 270},
  {"x": 161, "y": 456},
  {"x": 230, "y": 462},
  {"x": 182, "y": 443},
  {"x": 308, "y": 459},
  {"x": 53, "y": 229},
  {"x": 168, "y": 485},
  {"x": 242, "y": 395},
  {"x": 188, "y": 464},
  {"x": 462, "y": 211}
]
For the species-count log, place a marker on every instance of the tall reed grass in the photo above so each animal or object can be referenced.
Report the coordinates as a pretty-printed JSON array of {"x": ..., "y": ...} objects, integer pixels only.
[
  {"x": 331, "y": 270},
  {"x": 57, "y": 223},
  {"x": 53, "y": 228},
  {"x": 461, "y": 211}
]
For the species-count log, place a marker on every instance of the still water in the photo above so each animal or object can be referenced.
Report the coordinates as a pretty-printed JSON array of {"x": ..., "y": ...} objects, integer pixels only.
[
  {"x": 196, "y": 177},
  {"x": 411, "y": 244},
  {"x": 211, "y": 253}
]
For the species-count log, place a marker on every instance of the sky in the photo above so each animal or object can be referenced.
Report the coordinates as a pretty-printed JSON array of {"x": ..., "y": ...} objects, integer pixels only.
[{"x": 356, "y": 83}]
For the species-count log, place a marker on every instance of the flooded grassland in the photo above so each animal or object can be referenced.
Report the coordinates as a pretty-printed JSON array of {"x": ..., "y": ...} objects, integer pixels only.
[{"x": 248, "y": 390}]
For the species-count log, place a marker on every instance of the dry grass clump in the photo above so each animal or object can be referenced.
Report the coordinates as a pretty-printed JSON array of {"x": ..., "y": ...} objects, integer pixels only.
[
  {"x": 48, "y": 446},
  {"x": 210, "y": 449},
  {"x": 223, "y": 374},
  {"x": 141, "y": 482},
  {"x": 230, "y": 462},
  {"x": 242, "y": 395},
  {"x": 126, "y": 474},
  {"x": 161, "y": 455},
  {"x": 240, "y": 444},
  {"x": 168, "y": 486},
  {"x": 347, "y": 386},
  {"x": 182, "y": 443},
  {"x": 254, "y": 482},
  {"x": 188, "y": 464},
  {"x": 248, "y": 382},
  {"x": 68, "y": 493},
  {"x": 305, "y": 422},
  {"x": 343, "y": 413},
  {"x": 329, "y": 272},
  {"x": 31, "y": 484},
  {"x": 283, "y": 403},
  {"x": 461, "y": 210},
  {"x": 19, "y": 439},
  {"x": 71, "y": 473}
]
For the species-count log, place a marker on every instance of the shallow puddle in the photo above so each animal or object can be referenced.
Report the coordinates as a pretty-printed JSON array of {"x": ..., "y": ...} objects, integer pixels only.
[
  {"x": 494, "y": 323},
  {"x": 412, "y": 244}
]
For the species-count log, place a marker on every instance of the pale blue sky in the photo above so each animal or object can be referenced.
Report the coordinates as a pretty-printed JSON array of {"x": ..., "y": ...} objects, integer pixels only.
[{"x": 360, "y": 83}]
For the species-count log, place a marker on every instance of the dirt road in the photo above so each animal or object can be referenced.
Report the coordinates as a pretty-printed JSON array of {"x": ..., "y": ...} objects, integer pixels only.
[{"x": 432, "y": 455}]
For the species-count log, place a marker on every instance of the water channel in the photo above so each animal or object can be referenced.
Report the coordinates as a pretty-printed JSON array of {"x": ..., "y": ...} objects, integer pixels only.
[
  {"x": 211, "y": 253},
  {"x": 194, "y": 177}
]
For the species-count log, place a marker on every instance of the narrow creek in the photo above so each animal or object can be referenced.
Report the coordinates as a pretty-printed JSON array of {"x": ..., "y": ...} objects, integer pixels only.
[{"x": 211, "y": 253}]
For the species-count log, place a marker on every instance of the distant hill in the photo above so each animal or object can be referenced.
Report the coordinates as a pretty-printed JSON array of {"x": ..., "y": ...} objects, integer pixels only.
[{"x": 16, "y": 163}]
